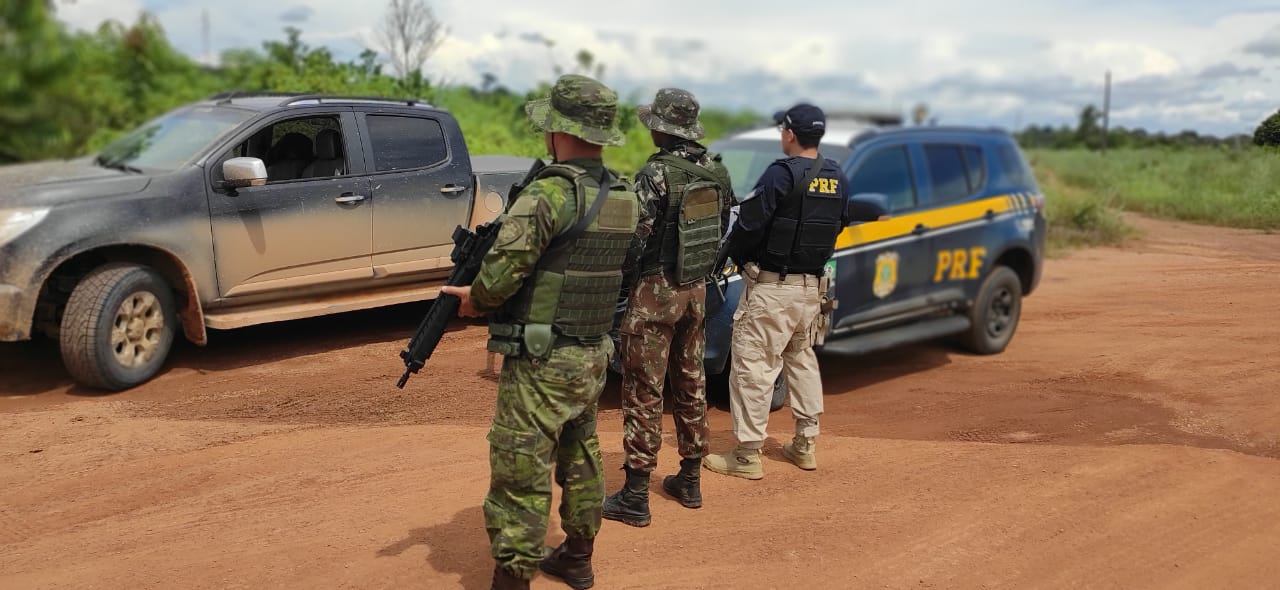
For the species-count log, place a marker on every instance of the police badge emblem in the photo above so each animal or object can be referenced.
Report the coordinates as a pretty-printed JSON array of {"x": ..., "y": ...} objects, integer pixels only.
[{"x": 886, "y": 274}]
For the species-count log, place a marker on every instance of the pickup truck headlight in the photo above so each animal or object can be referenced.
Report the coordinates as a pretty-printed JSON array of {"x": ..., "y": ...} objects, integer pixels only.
[{"x": 15, "y": 222}]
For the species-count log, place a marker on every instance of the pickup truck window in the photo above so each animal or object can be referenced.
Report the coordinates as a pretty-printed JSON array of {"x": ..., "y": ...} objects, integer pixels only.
[
  {"x": 405, "y": 143},
  {"x": 305, "y": 147},
  {"x": 172, "y": 140},
  {"x": 887, "y": 172}
]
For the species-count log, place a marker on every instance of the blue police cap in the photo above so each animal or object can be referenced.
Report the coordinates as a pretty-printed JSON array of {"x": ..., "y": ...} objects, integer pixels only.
[{"x": 803, "y": 118}]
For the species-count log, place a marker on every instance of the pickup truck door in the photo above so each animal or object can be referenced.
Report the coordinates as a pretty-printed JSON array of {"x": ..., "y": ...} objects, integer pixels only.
[
  {"x": 421, "y": 179},
  {"x": 310, "y": 226}
]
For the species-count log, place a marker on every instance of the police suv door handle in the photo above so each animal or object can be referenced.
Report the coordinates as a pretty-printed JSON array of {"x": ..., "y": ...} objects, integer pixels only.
[
  {"x": 990, "y": 214},
  {"x": 452, "y": 188},
  {"x": 347, "y": 198},
  {"x": 920, "y": 229}
]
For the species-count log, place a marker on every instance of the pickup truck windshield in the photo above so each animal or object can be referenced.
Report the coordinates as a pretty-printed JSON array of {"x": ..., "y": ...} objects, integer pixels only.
[{"x": 171, "y": 140}]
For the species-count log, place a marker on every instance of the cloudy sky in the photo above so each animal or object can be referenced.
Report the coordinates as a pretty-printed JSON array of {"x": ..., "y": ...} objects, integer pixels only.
[{"x": 1176, "y": 64}]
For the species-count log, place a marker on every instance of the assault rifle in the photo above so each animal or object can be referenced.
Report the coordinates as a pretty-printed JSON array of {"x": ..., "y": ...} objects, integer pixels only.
[
  {"x": 717, "y": 277},
  {"x": 469, "y": 249}
]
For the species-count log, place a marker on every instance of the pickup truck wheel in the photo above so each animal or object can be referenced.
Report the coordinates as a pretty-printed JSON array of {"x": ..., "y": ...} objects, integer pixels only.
[
  {"x": 118, "y": 327},
  {"x": 995, "y": 312}
]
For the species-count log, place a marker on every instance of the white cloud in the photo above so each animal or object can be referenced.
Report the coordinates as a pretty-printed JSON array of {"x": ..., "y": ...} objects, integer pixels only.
[
  {"x": 86, "y": 15},
  {"x": 1034, "y": 62}
]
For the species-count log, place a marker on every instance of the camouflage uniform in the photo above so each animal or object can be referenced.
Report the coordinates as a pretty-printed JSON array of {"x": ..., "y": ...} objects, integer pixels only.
[
  {"x": 662, "y": 331},
  {"x": 545, "y": 419}
]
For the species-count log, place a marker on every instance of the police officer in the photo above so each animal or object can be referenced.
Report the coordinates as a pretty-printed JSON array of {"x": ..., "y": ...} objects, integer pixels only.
[
  {"x": 785, "y": 233},
  {"x": 551, "y": 284},
  {"x": 685, "y": 195}
]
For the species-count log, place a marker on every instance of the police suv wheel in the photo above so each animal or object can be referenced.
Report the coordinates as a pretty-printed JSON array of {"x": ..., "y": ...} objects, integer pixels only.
[
  {"x": 118, "y": 327},
  {"x": 995, "y": 312}
]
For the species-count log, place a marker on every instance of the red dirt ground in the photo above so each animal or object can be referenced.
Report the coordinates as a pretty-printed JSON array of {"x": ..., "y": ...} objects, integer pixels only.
[{"x": 1128, "y": 438}]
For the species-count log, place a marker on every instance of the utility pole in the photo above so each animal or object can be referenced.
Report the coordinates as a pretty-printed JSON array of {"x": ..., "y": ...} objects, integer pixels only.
[{"x": 1106, "y": 111}]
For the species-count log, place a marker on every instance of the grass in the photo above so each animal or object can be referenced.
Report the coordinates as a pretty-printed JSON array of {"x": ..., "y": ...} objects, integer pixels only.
[{"x": 1086, "y": 190}]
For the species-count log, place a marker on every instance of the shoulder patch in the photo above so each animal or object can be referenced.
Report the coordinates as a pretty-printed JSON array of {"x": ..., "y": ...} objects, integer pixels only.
[{"x": 512, "y": 236}]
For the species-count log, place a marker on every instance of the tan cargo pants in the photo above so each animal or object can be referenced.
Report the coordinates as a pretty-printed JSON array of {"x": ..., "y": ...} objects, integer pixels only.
[{"x": 773, "y": 332}]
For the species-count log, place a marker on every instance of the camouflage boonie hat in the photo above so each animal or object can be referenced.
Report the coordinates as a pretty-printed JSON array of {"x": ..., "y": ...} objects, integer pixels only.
[
  {"x": 579, "y": 106},
  {"x": 675, "y": 112}
]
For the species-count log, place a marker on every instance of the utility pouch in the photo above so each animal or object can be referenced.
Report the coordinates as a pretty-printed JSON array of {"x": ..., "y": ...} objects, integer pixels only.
[
  {"x": 827, "y": 303},
  {"x": 538, "y": 340},
  {"x": 505, "y": 339}
]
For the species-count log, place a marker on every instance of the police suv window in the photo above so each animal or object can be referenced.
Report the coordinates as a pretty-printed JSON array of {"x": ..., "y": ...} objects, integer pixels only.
[
  {"x": 1016, "y": 175},
  {"x": 404, "y": 143},
  {"x": 977, "y": 172},
  {"x": 887, "y": 172},
  {"x": 948, "y": 175}
]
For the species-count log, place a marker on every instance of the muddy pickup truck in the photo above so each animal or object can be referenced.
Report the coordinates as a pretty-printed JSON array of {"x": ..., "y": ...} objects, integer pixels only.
[{"x": 234, "y": 211}]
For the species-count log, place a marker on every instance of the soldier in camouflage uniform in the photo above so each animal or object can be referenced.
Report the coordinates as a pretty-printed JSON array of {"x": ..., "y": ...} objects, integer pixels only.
[
  {"x": 685, "y": 195},
  {"x": 551, "y": 283}
]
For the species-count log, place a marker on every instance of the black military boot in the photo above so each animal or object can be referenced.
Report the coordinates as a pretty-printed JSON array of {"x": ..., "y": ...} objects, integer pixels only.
[
  {"x": 684, "y": 486},
  {"x": 571, "y": 562},
  {"x": 503, "y": 580},
  {"x": 631, "y": 504}
]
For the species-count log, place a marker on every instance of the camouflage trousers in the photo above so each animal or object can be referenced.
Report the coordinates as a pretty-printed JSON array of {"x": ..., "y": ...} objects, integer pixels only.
[
  {"x": 545, "y": 421},
  {"x": 663, "y": 334}
]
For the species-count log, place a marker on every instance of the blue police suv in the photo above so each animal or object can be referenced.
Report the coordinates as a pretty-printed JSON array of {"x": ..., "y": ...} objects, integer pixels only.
[{"x": 964, "y": 245}]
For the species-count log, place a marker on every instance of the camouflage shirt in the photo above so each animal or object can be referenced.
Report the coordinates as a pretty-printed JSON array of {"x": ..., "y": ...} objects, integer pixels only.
[
  {"x": 651, "y": 187},
  {"x": 545, "y": 209}
]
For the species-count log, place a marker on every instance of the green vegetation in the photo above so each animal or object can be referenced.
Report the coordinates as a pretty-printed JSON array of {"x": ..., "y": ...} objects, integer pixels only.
[
  {"x": 1185, "y": 176},
  {"x": 1087, "y": 134},
  {"x": 1237, "y": 188},
  {"x": 68, "y": 94},
  {"x": 1077, "y": 216},
  {"x": 1268, "y": 132}
]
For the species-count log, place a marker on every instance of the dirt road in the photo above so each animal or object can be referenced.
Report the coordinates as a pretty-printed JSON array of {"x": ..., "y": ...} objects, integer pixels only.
[{"x": 1128, "y": 438}]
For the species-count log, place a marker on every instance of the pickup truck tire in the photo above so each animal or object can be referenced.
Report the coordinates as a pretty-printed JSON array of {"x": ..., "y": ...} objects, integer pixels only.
[
  {"x": 718, "y": 389},
  {"x": 118, "y": 327},
  {"x": 995, "y": 312}
]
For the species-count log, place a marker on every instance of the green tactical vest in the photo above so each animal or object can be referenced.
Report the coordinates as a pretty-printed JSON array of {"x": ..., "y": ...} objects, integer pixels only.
[
  {"x": 685, "y": 242},
  {"x": 575, "y": 286}
]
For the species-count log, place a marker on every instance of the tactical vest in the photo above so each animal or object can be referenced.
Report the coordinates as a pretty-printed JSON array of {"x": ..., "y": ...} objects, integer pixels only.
[
  {"x": 685, "y": 241},
  {"x": 823, "y": 207},
  {"x": 574, "y": 288}
]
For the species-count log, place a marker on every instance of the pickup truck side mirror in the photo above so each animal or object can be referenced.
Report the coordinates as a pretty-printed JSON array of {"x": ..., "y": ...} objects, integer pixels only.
[
  {"x": 243, "y": 172},
  {"x": 869, "y": 207}
]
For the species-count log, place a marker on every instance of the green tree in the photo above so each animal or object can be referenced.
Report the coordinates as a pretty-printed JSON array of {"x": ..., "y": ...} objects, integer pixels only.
[
  {"x": 1088, "y": 132},
  {"x": 1268, "y": 132},
  {"x": 34, "y": 60}
]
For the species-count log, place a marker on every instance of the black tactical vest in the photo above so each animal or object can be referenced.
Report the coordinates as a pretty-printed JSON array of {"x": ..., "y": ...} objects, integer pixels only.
[{"x": 802, "y": 235}]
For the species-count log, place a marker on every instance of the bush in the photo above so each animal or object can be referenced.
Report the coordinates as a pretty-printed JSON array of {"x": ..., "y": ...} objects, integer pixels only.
[{"x": 1268, "y": 133}]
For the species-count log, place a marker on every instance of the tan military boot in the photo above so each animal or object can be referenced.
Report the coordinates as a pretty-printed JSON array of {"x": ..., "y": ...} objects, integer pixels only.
[
  {"x": 801, "y": 452},
  {"x": 740, "y": 462}
]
